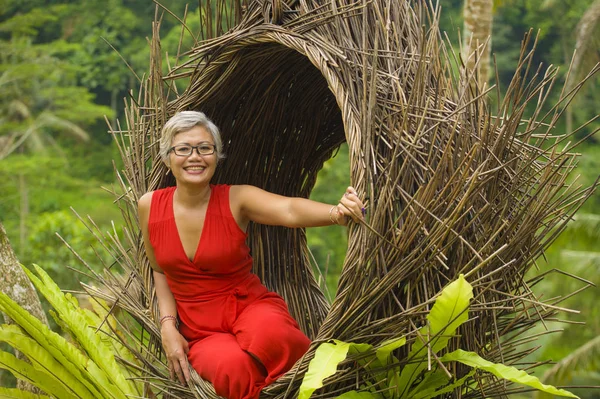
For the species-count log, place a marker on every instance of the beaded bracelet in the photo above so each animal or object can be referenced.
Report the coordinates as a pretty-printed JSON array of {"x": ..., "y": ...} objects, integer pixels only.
[
  {"x": 169, "y": 317},
  {"x": 331, "y": 217}
]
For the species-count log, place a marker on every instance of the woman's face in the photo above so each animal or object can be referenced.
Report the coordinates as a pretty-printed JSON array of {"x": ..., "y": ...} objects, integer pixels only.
[{"x": 193, "y": 168}]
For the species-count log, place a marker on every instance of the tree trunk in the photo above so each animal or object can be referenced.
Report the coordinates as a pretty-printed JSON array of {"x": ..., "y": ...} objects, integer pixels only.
[
  {"x": 586, "y": 46},
  {"x": 16, "y": 285},
  {"x": 477, "y": 43}
]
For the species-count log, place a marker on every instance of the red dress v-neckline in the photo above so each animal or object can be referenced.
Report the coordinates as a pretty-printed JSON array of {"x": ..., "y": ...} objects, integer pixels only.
[{"x": 197, "y": 250}]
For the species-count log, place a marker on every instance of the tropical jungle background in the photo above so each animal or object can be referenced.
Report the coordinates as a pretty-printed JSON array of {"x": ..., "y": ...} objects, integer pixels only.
[{"x": 65, "y": 67}]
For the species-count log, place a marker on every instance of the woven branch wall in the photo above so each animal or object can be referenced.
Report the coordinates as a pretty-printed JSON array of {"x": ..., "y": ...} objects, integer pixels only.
[{"x": 452, "y": 188}]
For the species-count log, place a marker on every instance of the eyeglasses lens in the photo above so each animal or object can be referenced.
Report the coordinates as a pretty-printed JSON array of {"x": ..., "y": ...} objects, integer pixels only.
[{"x": 186, "y": 150}]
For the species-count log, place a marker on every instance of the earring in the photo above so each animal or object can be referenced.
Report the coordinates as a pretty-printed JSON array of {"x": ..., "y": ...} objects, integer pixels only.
[{"x": 168, "y": 171}]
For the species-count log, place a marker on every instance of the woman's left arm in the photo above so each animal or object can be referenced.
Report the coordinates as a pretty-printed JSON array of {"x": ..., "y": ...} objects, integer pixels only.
[{"x": 263, "y": 207}]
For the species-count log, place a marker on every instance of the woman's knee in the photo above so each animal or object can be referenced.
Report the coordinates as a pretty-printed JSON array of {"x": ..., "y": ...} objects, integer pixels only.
[{"x": 232, "y": 371}]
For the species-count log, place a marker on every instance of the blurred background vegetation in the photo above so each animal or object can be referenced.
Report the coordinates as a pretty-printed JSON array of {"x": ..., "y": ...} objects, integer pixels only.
[{"x": 60, "y": 78}]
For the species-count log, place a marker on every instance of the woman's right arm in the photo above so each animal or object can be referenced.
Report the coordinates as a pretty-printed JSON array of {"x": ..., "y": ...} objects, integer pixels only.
[{"x": 174, "y": 344}]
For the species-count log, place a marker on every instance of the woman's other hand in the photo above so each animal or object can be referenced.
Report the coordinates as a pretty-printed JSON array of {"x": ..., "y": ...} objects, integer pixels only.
[
  {"x": 176, "y": 348},
  {"x": 350, "y": 207}
]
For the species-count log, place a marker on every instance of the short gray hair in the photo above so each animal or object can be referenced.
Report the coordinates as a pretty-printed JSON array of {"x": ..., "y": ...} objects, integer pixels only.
[{"x": 184, "y": 121}]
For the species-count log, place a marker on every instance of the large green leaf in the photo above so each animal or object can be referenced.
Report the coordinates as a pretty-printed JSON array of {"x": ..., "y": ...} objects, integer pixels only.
[
  {"x": 26, "y": 372},
  {"x": 502, "y": 371},
  {"x": 383, "y": 367},
  {"x": 43, "y": 361},
  {"x": 431, "y": 382},
  {"x": 66, "y": 354},
  {"x": 447, "y": 389},
  {"x": 384, "y": 351},
  {"x": 327, "y": 357},
  {"x": 99, "y": 351},
  {"x": 449, "y": 312},
  {"x": 14, "y": 393}
]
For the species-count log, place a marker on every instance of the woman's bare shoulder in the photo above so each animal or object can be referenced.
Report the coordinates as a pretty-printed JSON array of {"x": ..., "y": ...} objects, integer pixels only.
[
  {"x": 145, "y": 200},
  {"x": 242, "y": 189}
]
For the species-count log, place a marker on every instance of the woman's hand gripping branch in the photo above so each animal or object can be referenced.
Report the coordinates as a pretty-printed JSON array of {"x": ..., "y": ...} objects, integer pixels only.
[
  {"x": 350, "y": 207},
  {"x": 176, "y": 349}
]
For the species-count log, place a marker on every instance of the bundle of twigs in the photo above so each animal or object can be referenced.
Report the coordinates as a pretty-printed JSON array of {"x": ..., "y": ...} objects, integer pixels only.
[{"x": 454, "y": 187}]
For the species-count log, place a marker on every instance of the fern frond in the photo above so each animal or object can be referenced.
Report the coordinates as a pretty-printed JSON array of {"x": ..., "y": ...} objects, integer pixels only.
[
  {"x": 44, "y": 362},
  {"x": 66, "y": 354},
  {"x": 99, "y": 351},
  {"x": 28, "y": 373},
  {"x": 14, "y": 393}
]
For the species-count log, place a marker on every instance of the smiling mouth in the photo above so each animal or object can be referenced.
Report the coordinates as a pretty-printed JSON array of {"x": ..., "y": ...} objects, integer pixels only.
[{"x": 195, "y": 168}]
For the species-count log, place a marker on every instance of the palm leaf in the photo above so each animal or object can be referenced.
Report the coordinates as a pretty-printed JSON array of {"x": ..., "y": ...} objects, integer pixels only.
[
  {"x": 584, "y": 358},
  {"x": 582, "y": 258},
  {"x": 47, "y": 119}
]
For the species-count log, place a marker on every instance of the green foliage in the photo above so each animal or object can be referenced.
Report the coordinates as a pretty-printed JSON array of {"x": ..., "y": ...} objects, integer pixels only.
[
  {"x": 447, "y": 314},
  {"x": 575, "y": 251},
  {"x": 95, "y": 25},
  {"x": 51, "y": 186},
  {"x": 556, "y": 23},
  {"x": 39, "y": 77},
  {"x": 58, "y": 367},
  {"x": 330, "y": 354},
  {"x": 50, "y": 191},
  {"x": 56, "y": 66},
  {"x": 43, "y": 240},
  {"x": 414, "y": 380},
  {"x": 577, "y": 363},
  {"x": 58, "y": 79},
  {"x": 588, "y": 172},
  {"x": 328, "y": 244}
]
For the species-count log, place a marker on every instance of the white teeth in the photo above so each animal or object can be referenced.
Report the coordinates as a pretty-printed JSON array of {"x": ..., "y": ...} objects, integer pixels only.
[{"x": 195, "y": 168}]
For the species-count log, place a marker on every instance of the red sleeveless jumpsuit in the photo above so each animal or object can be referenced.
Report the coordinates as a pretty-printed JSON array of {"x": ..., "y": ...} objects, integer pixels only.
[{"x": 225, "y": 312}]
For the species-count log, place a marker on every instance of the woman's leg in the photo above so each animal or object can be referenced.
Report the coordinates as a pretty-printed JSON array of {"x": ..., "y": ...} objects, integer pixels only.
[
  {"x": 267, "y": 330},
  {"x": 232, "y": 371}
]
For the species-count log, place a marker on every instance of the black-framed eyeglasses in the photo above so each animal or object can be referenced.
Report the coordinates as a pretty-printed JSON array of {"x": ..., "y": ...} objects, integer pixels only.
[{"x": 185, "y": 150}]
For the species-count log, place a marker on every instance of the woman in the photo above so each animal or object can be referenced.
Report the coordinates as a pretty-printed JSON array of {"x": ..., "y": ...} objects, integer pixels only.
[{"x": 214, "y": 311}]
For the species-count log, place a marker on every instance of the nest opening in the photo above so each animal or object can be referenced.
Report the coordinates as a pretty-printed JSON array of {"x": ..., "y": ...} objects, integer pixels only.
[{"x": 278, "y": 117}]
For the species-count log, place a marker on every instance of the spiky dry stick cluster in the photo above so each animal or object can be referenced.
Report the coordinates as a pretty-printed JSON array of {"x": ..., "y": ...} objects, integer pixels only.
[{"x": 454, "y": 186}]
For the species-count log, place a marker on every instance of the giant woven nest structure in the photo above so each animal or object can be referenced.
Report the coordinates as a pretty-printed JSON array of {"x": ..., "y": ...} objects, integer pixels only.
[{"x": 454, "y": 186}]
